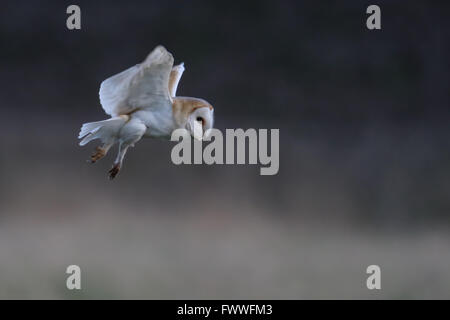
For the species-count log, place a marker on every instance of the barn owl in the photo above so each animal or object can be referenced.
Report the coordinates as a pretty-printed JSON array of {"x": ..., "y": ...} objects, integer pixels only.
[{"x": 142, "y": 102}]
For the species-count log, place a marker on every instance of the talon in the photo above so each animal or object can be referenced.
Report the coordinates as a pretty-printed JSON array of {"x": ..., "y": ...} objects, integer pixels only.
[
  {"x": 114, "y": 171},
  {"x": 98, "y": 154}
]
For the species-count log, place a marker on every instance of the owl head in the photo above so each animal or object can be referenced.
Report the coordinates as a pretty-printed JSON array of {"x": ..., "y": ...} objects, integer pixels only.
[{"x": 195, "y": 115}]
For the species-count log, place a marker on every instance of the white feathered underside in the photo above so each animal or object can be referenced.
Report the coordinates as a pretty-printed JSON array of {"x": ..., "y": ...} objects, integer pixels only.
[{"x": 143, "y": 86}]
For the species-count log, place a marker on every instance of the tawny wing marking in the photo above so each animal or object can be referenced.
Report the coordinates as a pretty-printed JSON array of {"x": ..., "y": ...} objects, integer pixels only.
[
  {"x": 175, "y": 76},
  {"x": 143, "y": 86}
]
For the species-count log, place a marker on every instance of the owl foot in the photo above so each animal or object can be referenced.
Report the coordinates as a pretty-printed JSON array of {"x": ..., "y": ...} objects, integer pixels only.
[
  {"x": 98, "y": 154},
  {"x": 114, "y": 171}
]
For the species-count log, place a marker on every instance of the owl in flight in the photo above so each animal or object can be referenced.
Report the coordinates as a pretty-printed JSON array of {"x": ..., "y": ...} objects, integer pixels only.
[{"x": 142, "y": 102}]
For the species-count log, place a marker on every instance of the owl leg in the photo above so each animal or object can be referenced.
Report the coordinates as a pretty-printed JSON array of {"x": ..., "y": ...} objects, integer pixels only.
[
  {"x": 118, "y": 162},
  {"x": 100, "y": 152},
  {"x": 131, "y": 133}
]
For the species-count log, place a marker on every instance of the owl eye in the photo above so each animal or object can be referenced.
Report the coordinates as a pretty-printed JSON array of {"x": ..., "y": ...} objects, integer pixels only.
[{"x": 200, "y": 119}]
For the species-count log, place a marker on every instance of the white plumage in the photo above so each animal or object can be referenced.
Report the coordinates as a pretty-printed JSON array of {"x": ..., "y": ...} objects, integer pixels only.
[{"x": 142, "y": 102}]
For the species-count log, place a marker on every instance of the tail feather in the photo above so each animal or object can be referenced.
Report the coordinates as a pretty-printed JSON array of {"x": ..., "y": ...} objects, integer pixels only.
[
  {"x": 106, "y": 130},
  {"x": 89, "y": 128}
]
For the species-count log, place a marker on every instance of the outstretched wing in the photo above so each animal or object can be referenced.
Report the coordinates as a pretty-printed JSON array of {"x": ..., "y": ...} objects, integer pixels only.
[
  {"x": 175, "y": 76},
  {"x": 143, "y": 86}
]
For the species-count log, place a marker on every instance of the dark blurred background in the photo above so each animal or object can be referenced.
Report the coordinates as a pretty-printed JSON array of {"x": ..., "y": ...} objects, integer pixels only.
[{"x": 364, "y": 152}]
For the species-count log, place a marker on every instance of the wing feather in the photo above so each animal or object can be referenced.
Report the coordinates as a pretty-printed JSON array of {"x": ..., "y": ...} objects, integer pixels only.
[
  {"x": 143, "y": 86},
  {"x": 175, "y": 76}
]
